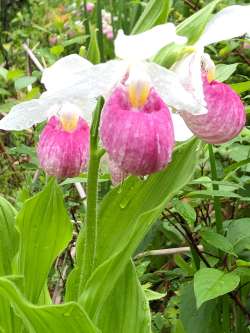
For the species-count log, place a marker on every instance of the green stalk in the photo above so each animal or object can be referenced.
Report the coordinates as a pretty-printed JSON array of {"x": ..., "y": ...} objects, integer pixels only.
[
  {"x": 99, "y": 26},
  {"x": 86, "y": 23},
  {"x": 217, "y": 205},
  {"x": 226, "y": 314},
  {"x": 91, "y": 228}
]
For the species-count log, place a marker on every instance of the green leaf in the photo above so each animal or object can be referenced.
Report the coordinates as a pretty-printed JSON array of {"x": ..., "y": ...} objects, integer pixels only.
[
  {"x": 239, "y": 234},
  {"x": 24, "y": 82},
  {"x": 136, "y": 204},
  {"x": 33, "y": 93},
  {"x": 223, "y": 72},
  {"x": 51, "y": 318},
  {"x": 8, "y": 249},
  {"x": 196, "y": 321},
  {"x": 210, "y": 283},
  {"x": 185, "y": 210},
  {"x": 235, "y": 166},
  {"x": 185, "y": 266},
  {"x": 9, "y": 237},
  {"x": 241, "y": 87},
  {"x": 57, "y": 50},
  {"x": 93, "y": 53},
  {"x": 156, "y": 12},
  {"x": 243, "y": 263},
  {"x": 218, "y": 241},
  {"x": 45, "y": 230},
  {"x": 4, "y": 73},
  {"x": 212, "y": 193},
  {"x": 126, "y": 309},
  {"x": 14, "y": 74},
  {"x": 4, "y": 92},
  {"x": 192, "y": 28},
  {"x": 76, "y": 40},
  {"x": 152, "y": 295}
]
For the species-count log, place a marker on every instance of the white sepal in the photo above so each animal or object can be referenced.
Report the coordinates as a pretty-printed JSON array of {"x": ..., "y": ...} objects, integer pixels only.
[
  {"x": 181, "y": 131},
  {"x": 230, "y": 22},
  {"x": 172, "y": 91},
  {"x": 99, "y": 80},
  {"x": 146, "y": 44},
  {"x": 65, "y": 72}
]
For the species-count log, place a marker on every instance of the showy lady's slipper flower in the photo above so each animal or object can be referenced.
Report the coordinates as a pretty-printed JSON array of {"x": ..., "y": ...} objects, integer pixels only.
[
  {"x": 226, "y": 116},
  {"x": 64, "y": 143},
  {"x": 136, "y": 127}
]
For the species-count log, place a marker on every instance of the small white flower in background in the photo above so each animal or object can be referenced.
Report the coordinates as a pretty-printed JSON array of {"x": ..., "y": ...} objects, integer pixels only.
[{"x": 107, "y": 28}]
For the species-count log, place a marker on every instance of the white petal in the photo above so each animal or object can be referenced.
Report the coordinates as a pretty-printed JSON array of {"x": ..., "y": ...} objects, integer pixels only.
[
  {"x": 189, "y": 72},
  {"x": 230, "y": 22},
  {"x": 172, "y": 91},
  {"x": 85, "y": 105},
  {"x": 146, "y": 44},
  {"x": 181, "y": 131},
  {"x": 65, "y": 72},
  {"x": 25, "y": 115}
]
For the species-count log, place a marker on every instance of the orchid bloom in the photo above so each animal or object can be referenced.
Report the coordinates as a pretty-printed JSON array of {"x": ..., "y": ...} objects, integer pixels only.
[
  {"x": 137, "y": 129},
  {"x": 225, "y": 117},
  {"x": 140, "y": 90},
  {"x": 64, "y": 142}
]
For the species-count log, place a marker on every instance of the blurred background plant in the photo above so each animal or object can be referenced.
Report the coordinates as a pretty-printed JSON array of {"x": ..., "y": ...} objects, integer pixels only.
[{"x": 52, "y": 29}]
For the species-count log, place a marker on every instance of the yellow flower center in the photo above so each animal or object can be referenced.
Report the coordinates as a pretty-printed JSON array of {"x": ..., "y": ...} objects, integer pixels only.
[
  {"x": 69, "y": 122},
  {"x": 211, "y": 75},
  {"x": 138, "y": 93}
]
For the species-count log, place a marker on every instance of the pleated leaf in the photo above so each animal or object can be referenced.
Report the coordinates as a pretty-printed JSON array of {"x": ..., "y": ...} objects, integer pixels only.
[
  {"x": 156, "y": 12},
  {"x": 126, "y": 309},
  {"x": 50, "y": 318},
  {"x": 8, "y": 249},
  {"x": 125, "y": 216},
  {"x": 9, "y": 236},
  {"x": 45, "y": 230}
]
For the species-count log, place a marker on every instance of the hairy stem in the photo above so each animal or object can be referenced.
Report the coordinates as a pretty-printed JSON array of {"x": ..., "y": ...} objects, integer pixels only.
[{"x": 91, "y": 228}]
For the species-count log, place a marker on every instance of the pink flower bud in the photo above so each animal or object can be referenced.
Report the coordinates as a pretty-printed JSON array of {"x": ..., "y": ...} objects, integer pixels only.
[
  {"x": 225, "y": 118},
  {"x": 90, "y": 7},
  {"x": 110, "y": 35},
  {"x": 53, "y": 40},
  {"x": 63, "y": 153},
  {"x": 139, "y": 140}
]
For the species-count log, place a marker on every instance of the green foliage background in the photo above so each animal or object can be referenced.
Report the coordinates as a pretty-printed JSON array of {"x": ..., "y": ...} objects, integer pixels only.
[{"x": 56, "y": 28}]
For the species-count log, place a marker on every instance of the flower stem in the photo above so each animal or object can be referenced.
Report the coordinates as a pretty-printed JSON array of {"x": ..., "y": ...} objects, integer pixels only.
[
  {"x": 217, "y": 205},
  {"x": 99, "y": 26},
  {"x": 86, "y": 22},
  {"x": 91, "y": 228}
]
